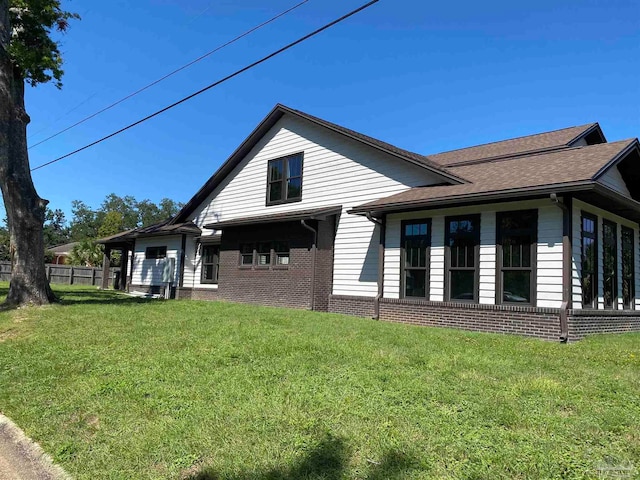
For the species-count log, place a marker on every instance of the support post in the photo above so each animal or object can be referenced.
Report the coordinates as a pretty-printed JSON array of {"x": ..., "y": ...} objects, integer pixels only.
[
  {"x": 106, "y": 261},
  {"x": 567, "y": 263},
  {"x": 381, "y": 244},
  {"x": 123, "y": 268}
]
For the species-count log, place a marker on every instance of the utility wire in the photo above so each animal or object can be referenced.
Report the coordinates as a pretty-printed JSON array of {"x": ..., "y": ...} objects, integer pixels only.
[
  {"x": 202, "y": 57},
  {"x": 212, "y": 85}
]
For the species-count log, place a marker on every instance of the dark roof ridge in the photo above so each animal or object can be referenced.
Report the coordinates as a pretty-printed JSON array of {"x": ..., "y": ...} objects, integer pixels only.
[
  {"x": 586, "y": 126},
  {"x": 532, "y": 153}
]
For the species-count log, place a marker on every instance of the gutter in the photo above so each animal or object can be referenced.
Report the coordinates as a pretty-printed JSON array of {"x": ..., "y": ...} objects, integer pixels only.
[
  {"x": 314, "y": 247},
  {"x": 381, "y": 244},
  {"x": 567, "y": 265}
]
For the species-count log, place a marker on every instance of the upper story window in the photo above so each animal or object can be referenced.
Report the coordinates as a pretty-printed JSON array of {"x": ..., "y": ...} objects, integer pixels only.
[
  {"x": 516, "y": 256},
  {"x": 153, "y": 253},
  {"x": 284, "y": 180},
  {"x": 462, "y": 243},
  {"x": 589, "y": 254},
  {"x": 416, "y": 239}
]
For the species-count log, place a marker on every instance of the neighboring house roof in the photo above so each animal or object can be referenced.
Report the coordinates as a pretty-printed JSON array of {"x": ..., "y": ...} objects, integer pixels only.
[
  {"x": 63, "y": 249},
  {"x": 162, "y": 228},
  {"x": 518, "y": 146},
  {"x": 314, "y": 214},
  {"x": 573, "y": 168},
  {"x": 271, "y": 119}
]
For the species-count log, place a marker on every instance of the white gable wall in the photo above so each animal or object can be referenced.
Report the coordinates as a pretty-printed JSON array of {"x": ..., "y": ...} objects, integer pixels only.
[
  {"x": 613, "y": 179},
  {"x": 549, "y": 250},
  {"x": 149, "y": 272},
  {"x": 336, "y": 171}
]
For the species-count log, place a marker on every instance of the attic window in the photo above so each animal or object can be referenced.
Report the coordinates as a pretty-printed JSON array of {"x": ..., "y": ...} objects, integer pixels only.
[
  {"x": 284, "y": 180},
  {"x": 153, "y": 253}
]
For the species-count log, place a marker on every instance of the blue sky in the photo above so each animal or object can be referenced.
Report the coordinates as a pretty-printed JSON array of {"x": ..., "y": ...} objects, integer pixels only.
[{"x": 426, "y": 76}]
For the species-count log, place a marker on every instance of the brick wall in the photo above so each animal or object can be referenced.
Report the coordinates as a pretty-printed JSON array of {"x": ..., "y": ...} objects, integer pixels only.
[
  {"x": 324, "y": 264},
  {"x": 197, "y": 293},
  {"x": 588, "y": 322},
  {"x": 350, "y": 305}
]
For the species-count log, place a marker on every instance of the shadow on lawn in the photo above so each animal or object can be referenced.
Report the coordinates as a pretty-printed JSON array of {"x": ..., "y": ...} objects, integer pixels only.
[
  {"x": 99, "y": 297},
  {"x": 327, "y": 460}
]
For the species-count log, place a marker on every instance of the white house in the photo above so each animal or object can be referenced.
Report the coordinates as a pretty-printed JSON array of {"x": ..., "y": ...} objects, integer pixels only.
[{"x": 536, "y": 235}]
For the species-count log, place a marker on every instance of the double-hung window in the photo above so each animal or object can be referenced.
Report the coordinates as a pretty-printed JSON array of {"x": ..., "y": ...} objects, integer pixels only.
[
  {"x": 610, "y": 263},
  {"x": 284, "y": 179},
  {"x": 589, "y": 260},
  {"x": 416, "y": 240},
  {"x": 516, "y": 236},
  {"x": 246, "y": 255},
  {"x": 628, "y": 263},
  {"x": 263, "y": 254},
  {"x": 210, "y": 263},
  {"x": 462, "y": 240}
]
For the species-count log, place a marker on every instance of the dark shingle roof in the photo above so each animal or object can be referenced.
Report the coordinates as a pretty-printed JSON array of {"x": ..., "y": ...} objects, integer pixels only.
[
  {"x": 515, "y": 146},
  {"x": 560, "y": 167},
  {"x": 161, "y": 228}
]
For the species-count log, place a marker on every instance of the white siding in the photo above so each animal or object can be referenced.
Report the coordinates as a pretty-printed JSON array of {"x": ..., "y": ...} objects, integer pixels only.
[
  {"x": 613, "y": 179},
  {"x": 149, "y": 272},
  {"x": 549, "y": 250},
  {"x": 578, "y": 208},
  {"x": 336, "y": 171}
]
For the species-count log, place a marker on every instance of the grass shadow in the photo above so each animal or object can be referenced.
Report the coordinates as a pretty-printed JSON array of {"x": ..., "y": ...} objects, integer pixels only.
[
  {"x": 328, "y": 460},
  {"x": 108, "y": 297}
]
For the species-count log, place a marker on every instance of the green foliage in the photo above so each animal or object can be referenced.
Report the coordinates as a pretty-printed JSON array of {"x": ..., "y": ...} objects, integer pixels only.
[
  {"x": 86, "y": 253},
  {"x": 113, "y": 223},
  {"x": 33, "y": 51},
  {"x": 5, "y": 243},
  {"x": 55, "y": 229},
  {"x": 186, "y": 389}
]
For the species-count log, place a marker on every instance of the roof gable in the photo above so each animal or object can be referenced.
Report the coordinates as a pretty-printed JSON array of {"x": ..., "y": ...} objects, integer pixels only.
[{"x": 265, "y": 126}]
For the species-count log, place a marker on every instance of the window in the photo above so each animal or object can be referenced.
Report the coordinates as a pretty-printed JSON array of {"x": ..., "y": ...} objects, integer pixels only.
[
  {"x": 516, "y": 256},
  {"x": 628, "y": 270},
  {"x": 210, "y": 264},
  {"x": 153, "y": 253},
  {"x": 416, "y": 240},
  {"x": 246, "y": 254},
  {"x": 610, "y": 263},
  {"x": 462, "y": 237},
  {"x": 264, "y": 254},
  {"x": 589, "y": 255},
  {"x": 284, "y": 181},
  {"x": 281, "y": 252}
]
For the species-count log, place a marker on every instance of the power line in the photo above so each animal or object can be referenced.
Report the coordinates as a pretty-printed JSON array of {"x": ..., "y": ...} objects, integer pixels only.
[
  {"x": 202, "y": 57},
  {"x": 212, "y": 85}
]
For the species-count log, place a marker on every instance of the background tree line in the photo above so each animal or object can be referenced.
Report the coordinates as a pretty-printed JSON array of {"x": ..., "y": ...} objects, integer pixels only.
[{"x": 116, "y": 214}]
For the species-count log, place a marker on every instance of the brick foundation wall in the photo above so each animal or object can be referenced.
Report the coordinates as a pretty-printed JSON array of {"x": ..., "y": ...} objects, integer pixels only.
[
  {"x": 589, "y": 322},
  {"x": 197, "y": 293},
  {"x": 349, "y": 305}
]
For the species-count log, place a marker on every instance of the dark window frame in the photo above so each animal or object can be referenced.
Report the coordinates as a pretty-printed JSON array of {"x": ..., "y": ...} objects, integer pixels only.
[
  {"x": 447, "y": 259},
  {"x": 628, "y": 304},
  {"x": 404, "y": 268},
  {"x": 594, "y": 274},
  {"x": 215, "y": 263},
  {"x": 284, "y": 180},
  {"x": 259, "y": 251},
  {"x": 241, "y": 255},
  {"x": 278, "y": 253},
  {"x": 614, "y": 293},
  {"x": 500, "y": 268},
  {"x": 155, "y": 253}
]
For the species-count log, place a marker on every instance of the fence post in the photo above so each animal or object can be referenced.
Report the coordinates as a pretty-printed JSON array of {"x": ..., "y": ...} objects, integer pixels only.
[{"x": 71, "y": 276}]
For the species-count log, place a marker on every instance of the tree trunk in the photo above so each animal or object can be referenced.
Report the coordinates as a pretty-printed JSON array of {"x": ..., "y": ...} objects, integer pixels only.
[{"x": 25, "y": 209}]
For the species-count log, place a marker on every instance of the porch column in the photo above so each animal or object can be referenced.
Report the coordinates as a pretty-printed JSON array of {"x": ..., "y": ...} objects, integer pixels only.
[
  {"x": 106, "y": 261},
  {"x": 123, "y": 268}
]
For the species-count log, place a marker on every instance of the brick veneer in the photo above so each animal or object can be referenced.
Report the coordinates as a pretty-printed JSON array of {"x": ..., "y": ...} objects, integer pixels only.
[{"x": 588, "y": 322}]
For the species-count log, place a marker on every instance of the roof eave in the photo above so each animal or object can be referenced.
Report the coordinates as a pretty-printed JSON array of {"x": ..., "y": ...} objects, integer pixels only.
[{"x": 473, "y": 198}]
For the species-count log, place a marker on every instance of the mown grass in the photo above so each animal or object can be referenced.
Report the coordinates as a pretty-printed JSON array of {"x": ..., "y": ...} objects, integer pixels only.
[{"x": 114, "y": 387}]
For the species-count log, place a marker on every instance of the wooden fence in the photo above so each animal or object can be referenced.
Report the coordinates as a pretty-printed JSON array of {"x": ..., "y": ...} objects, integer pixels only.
[{"x": 71, "y": 275}]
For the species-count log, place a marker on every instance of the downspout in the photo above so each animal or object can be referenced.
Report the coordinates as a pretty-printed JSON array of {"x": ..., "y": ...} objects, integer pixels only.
[
  {"x": 376, "y": 300},
  {"x": 567, "y": 264},
  {"x": 312, "y": 288}
]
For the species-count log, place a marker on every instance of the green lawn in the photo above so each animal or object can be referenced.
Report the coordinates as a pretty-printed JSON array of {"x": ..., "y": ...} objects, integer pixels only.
[{"x": 114, "y": 387}]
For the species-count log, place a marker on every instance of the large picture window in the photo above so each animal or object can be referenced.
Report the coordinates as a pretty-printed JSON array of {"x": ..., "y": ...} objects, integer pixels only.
[
  {"x": 610, "y": 263},
  {"x": 628, "y": 270},
  {"x": 210, "y": 263},
  {"x": 462, "y": 239},
  {"x": 516, "y": 235},
  {"x": 284, "y": 182},
  {"x": 589, "y": 257},
  {"x": 416, "y": 240}
]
